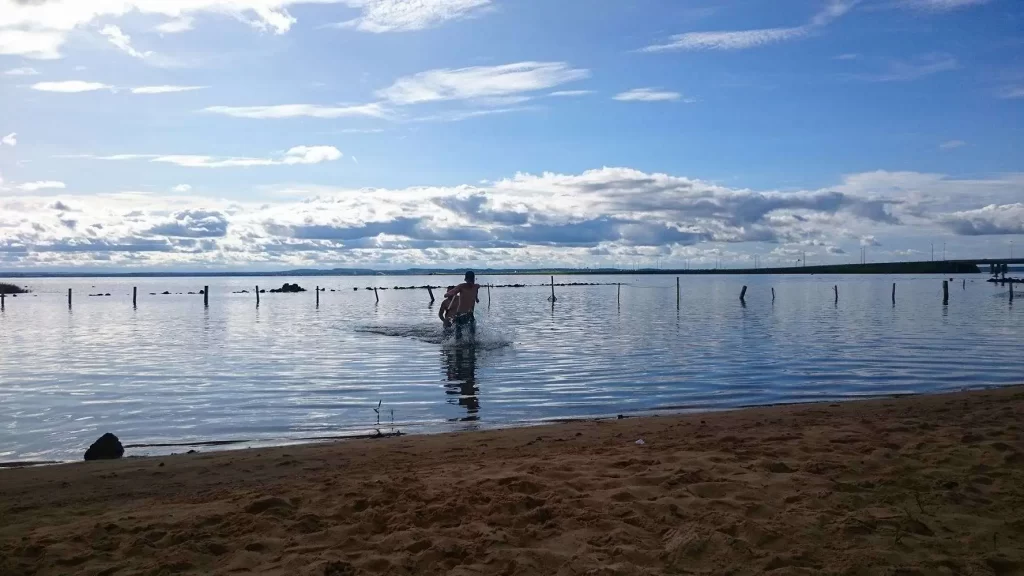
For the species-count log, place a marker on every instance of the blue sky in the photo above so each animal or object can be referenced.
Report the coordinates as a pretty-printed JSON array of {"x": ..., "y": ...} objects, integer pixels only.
[{"x": 228, "y": 134}]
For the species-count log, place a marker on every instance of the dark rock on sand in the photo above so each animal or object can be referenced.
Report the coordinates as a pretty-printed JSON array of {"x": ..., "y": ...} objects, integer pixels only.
[{"x": 108, "y": 447}]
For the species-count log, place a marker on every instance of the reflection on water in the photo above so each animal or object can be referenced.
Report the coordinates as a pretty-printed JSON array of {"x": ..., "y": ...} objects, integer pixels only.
[
  {"x": 460, "y": 367},
  {"x": 172, "y": 370}
]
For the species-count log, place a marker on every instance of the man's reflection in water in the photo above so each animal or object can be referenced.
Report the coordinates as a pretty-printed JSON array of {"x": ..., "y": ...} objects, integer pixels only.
[{"x": 460, "y": 363}]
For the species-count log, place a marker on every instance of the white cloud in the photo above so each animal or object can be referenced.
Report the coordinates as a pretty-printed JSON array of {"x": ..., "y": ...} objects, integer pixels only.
[
  {"x": 848, "y": 56},
  {"x": 570, "y": 93},
  {"x": 608, "y": 215},
  {"x": 647, "y": 95},
  {"x": 403, "y": 15},
  {"x": 26, "y": 71},
  {"x": 122, "y": 41},
  {"x": 44, "y": 185},
  {"x": 460, "y": 115},
  {"x": 743, "y": 39},
  {"x": 951, "y": 144},
  {"x": 492, "y": 89},
  {"x": 39, "y": 28},
  {"x": 913, "y": 69},
  {"x": 294, "y": 156},
  {"x": 30, "y": 43},
  {"x": 182, "y": 189},
  {"x": 991, "y": 220},
  {"x": 70, "y": 86},
  {"x": 76, "y": 86},
  {"x": 924, "y": 193},
  {"x": 9, "y": 140},
  {"x": 942, "y": 5},
  {"x": 1012, "y": 93},
  {"x": 361, "y": 131},
  {"x": 164, "y": 89},
  {"x": 480, "y": 82},
  {"x": 737, "y": 40},
  {"x": 176, "y": 26},
  {"x": 311, "y": 154},
  {"x": 299, "y": 110}
]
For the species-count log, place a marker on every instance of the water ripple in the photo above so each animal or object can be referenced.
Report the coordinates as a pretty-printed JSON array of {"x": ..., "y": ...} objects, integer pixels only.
[{"x": 173, "y": 372}]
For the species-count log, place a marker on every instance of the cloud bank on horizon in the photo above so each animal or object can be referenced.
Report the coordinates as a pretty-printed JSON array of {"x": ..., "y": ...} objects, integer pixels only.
[{"x": 777, "y": 133}]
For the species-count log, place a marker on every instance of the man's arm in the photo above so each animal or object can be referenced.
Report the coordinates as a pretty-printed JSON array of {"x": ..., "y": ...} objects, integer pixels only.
[{"x": 451, "y": 293}]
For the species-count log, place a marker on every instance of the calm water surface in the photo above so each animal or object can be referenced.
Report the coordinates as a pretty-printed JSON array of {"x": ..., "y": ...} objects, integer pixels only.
[{"x": 174, "y": 372}]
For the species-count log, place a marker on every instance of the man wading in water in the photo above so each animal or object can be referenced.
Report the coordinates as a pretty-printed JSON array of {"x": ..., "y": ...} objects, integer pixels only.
[
  {"x": 463, "y": 307},
  {"x": 447, "y": 315}
]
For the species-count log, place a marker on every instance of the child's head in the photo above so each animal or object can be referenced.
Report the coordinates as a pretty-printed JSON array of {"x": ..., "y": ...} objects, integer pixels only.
[{"x": 450, "y": 288}]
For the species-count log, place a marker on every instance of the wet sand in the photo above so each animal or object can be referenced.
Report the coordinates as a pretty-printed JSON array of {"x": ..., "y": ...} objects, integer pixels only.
[{"x": 915, "y": 485}]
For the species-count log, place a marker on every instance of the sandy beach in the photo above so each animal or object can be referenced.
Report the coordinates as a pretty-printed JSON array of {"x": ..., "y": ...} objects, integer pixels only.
[{"x": 913, "y": 485}]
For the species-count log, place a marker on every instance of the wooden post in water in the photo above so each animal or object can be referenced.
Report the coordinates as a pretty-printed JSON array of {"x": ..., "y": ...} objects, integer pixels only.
[
  {"x": 375, "y": 295},
  {"x": 743, "y": 294},
  {"x": 206, "y": 296},
  {"x": 135, "y": 296},
  {"x": 69, "y": 298},
  {"x": 618, "y": 294},
  {"x": 1011, "y": 292},
  {"x": 3, "y": 297},
  {"x": 257, "y": 296},
  {"x": 488, "y": 295},
  {"x": 552, "y": 299},
  {"x": 965, "y": 284},
  {"x": 893, "y": 293},
  {"x": 945, "y": 292},
  {"x": 836, "y": 288},
  {"x": 317, "y": 296},
  {"x": 677, "y": 292},
  {"x": 431, "y": 292},
  {"x": 773, "y": 295}
]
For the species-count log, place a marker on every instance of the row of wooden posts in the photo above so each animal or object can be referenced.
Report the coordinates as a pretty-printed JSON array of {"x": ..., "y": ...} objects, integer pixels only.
[{"x": 552, "y": 298}]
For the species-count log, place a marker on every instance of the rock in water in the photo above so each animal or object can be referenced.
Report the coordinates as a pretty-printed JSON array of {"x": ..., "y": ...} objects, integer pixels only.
[{"x": 108, "y": 447}]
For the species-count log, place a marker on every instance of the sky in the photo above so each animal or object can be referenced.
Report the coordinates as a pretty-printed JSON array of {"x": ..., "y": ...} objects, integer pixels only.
[{"x": 205, "y": 135}]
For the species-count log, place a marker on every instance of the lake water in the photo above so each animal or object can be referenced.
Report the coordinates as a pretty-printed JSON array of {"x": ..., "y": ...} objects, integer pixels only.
[{"x": 174, "y": 372}]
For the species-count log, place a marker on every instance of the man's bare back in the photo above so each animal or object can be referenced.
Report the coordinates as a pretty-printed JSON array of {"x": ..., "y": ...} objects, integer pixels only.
[{"x": 467, "y": 293}]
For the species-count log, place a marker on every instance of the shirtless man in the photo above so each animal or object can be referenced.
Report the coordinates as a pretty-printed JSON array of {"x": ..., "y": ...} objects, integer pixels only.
[
  {"x": 468, "y": 296},
  {"x": 447, "y": 313}
]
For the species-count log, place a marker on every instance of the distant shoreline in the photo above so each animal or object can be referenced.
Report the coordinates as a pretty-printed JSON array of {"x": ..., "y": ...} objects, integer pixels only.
[{"x": 929, "y": 267}]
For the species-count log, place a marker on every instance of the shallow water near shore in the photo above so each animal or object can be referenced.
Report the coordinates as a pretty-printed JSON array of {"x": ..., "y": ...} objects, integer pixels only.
[{"x": 174, "y": 372}]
